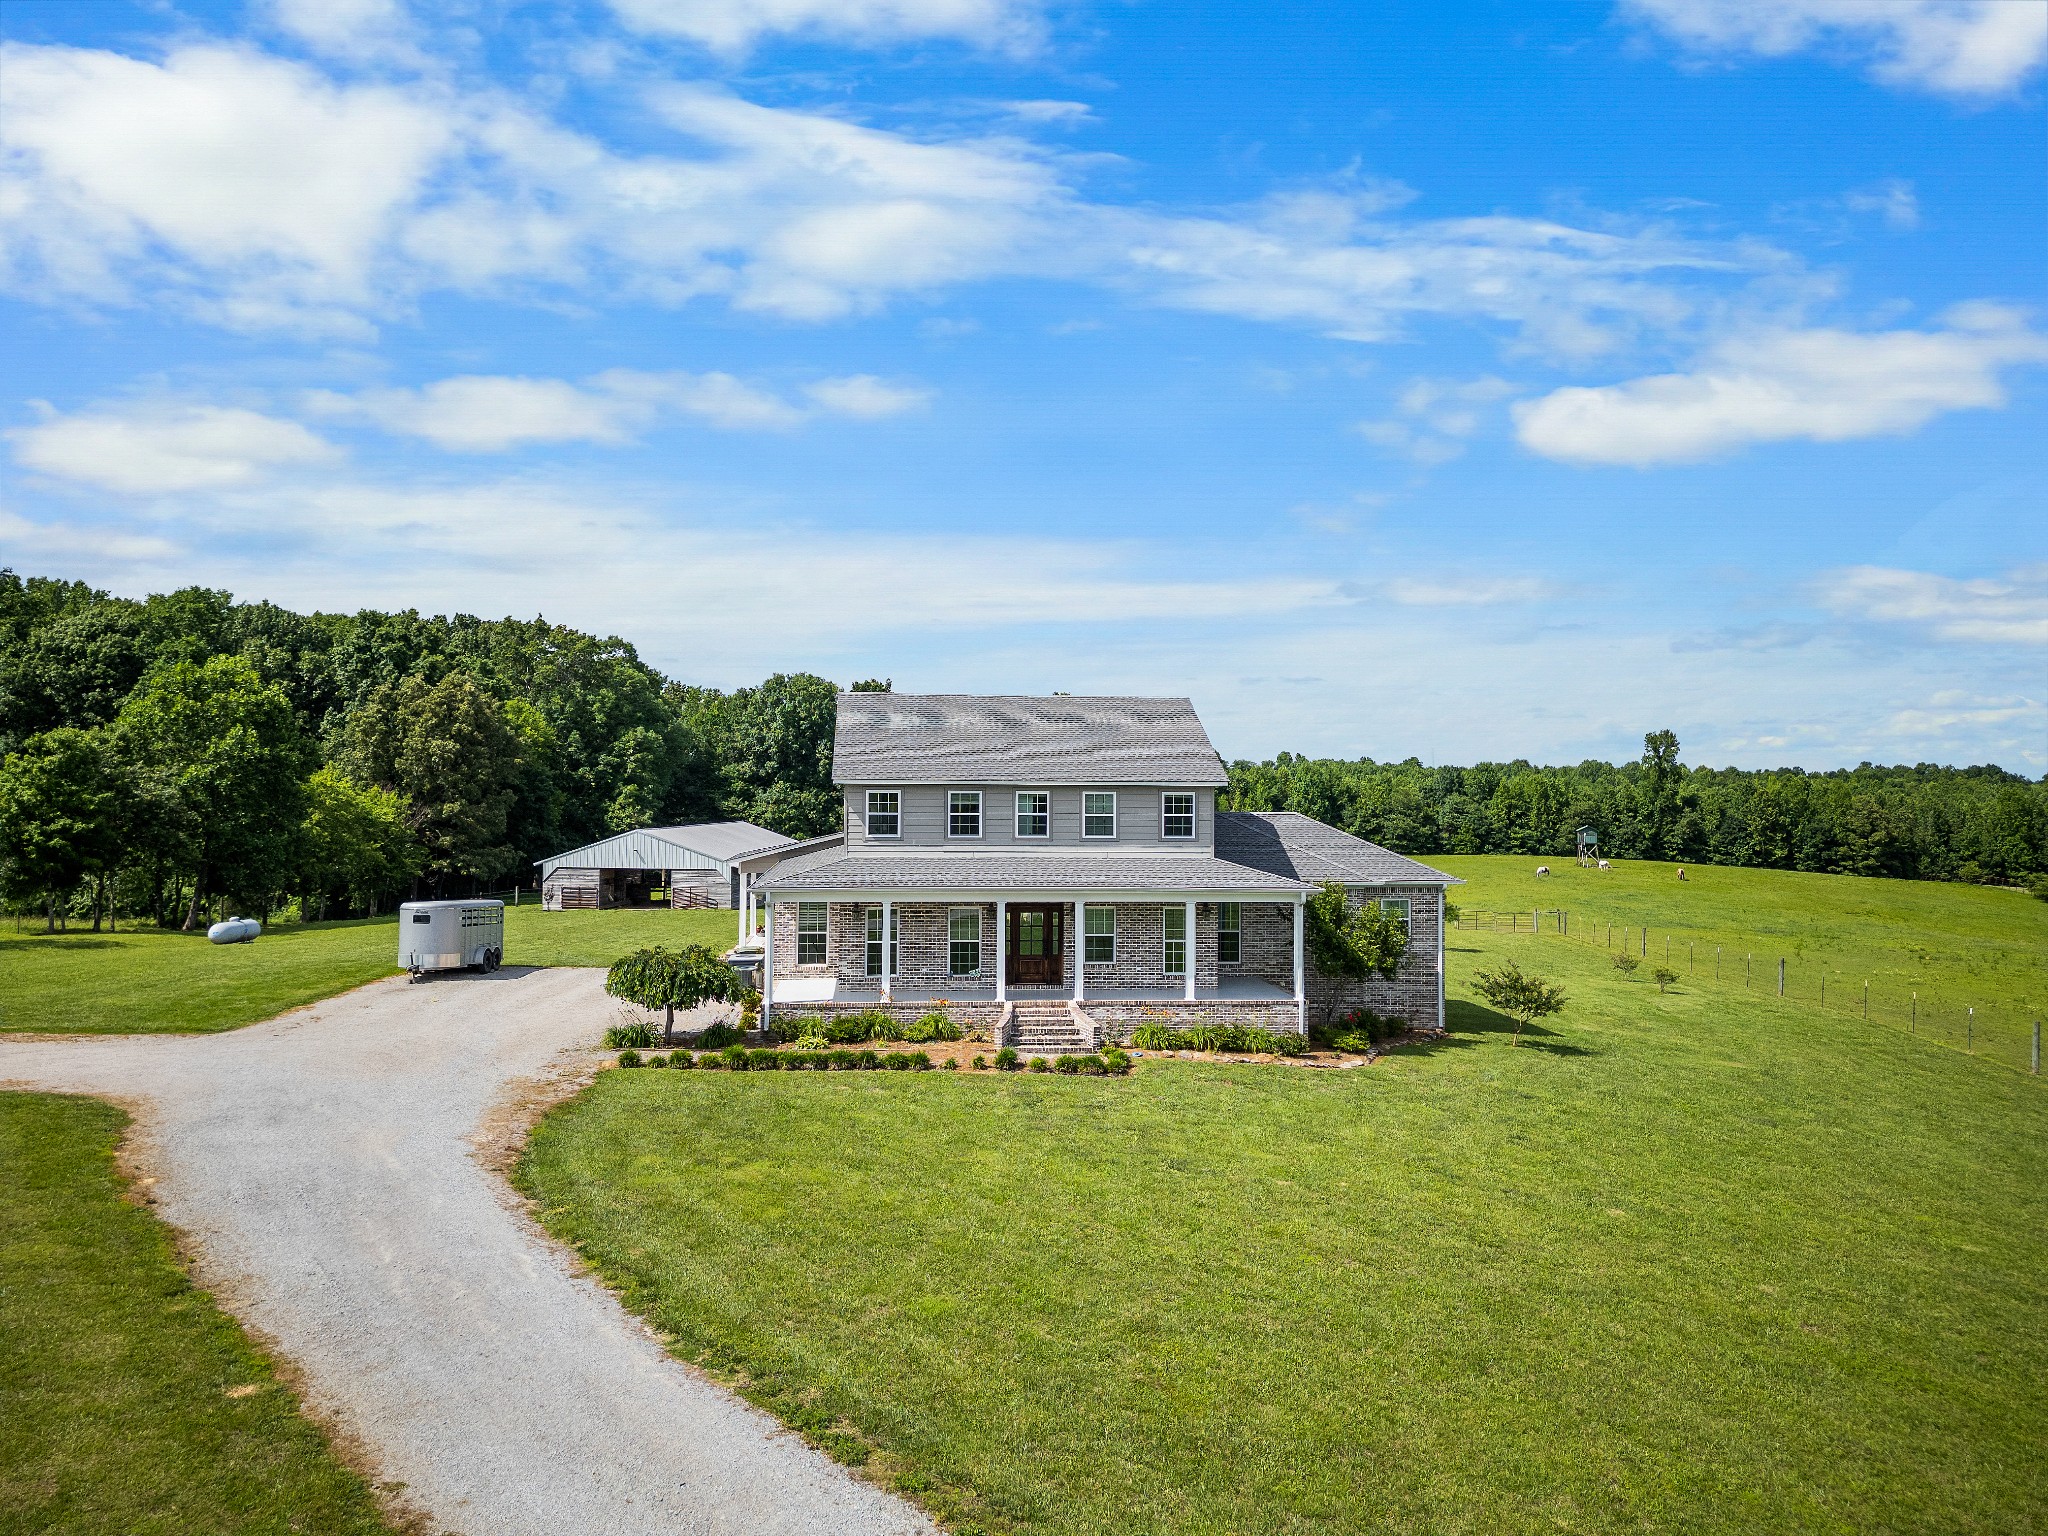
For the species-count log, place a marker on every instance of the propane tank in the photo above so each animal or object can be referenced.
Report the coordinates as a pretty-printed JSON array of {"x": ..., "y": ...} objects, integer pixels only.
[{"x": 236, "y": 930}]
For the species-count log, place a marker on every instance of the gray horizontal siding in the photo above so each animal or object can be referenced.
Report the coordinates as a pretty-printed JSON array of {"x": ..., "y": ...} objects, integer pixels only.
[{"x": 925, "y": 819}]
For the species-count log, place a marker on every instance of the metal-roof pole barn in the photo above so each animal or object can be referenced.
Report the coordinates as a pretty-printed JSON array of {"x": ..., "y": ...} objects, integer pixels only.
[{"x": 709, "y": 864}]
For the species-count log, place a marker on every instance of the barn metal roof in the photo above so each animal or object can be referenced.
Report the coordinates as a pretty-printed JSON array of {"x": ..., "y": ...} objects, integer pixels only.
[
  {"x": 951, "y": 738},
  {"x": 700, "y": 846}
]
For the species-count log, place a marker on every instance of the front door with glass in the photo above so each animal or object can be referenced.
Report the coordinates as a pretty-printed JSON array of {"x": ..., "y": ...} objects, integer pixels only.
[{"x": 1032, "y": 947}]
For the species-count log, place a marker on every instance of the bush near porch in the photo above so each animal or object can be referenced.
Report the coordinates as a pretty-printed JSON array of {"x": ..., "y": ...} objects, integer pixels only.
[{"x": 1674, "y": 1264}]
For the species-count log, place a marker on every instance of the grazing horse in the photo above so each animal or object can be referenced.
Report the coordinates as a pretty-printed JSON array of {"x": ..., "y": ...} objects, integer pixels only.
[{"x": 1542, "y": 869}]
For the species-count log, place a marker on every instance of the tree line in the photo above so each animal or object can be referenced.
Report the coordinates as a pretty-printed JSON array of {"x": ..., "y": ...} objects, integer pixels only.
[
  {"x": 1926, "y": 822},
  {"x": 165, "y": 756}
]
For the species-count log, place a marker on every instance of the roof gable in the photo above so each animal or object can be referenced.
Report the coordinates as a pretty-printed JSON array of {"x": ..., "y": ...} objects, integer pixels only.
[{"x": 951, "y": 738}]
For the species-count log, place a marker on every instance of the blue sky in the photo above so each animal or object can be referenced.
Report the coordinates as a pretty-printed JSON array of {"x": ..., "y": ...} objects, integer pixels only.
[{"x": 1479, "y": 381}]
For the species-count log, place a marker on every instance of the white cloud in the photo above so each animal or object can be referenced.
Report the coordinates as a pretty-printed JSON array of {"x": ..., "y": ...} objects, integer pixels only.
[
  {"x": 1823, "y": 385},
  {"x": 865, "y": 397},
  {"x": 356, "y": 30},
  {"x": 278, "y": 186},
  {"x": 1953, "y": 711},
  {"x": 152, "y": 449},
  {"x": 733, "y": 26},
  {"x": 259, "y": 193},
  {"x": 1892, "y": 199},
  {"x": 1469, "y": 592},
  {"x": 490, "y": 413},
  {"x": 1954, "y": 47},
  {"x": 2009, "y": 610},
  {"x": 1441, "y": 414},
  {"x": 1064, "y": 113}
]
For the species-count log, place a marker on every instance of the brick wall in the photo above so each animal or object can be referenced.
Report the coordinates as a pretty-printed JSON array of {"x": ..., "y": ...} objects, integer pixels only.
[
  {"x": 1119, "y": 1019},
  {"x": 1412, "y": 994}
]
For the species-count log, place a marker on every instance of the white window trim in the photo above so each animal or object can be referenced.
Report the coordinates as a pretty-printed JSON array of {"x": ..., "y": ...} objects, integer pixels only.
[
  {"x": 980, "y": 815},
  {"x": 1185, "y": 941},
  {"x": 1098, "y": 837},
  {"x": 825, "y": 932},
  {"x": 869, "y": 942},
  {"x": 868, "y": 821},
  {"x": 1237, "y": 932},
  {"x": 980, "y": 939},
  {"x": 1404, "y": 905},
  {"x": 1017, "y": 819},
  {"x": 1088, "y": 917},
  {"x": 1194, "y": 816}
]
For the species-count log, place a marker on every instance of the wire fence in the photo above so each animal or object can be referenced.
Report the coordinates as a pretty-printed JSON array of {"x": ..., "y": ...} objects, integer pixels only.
[{"x": 2010, "y": 1037}]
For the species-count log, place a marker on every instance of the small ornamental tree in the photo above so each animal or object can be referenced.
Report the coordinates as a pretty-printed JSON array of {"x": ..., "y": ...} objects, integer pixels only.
[
  {"x": 1353, "y": 942},
  {"x": 1522, "y": 998},
  {"x": 669, "y": 979}
]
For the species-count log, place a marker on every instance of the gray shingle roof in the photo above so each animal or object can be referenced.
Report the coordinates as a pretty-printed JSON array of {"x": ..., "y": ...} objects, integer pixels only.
[
  {"x": 951, "y": 738},
  {"x": 1289, "y": 843},
  {"x": 835, "y": 871}
]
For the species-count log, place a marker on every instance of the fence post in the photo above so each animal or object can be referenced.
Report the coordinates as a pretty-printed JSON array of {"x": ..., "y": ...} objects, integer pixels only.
[
  {"x": 1970, "y": 1034},
  {"x": 1536, "y": 922},
  {"x": 2037, "y": 1047},
  {"x": 1646, "y": 943},
  {"x": 1913, "y": 1020},
  {"x": 1781, "y": 975},
  {"x": 1866, "y": 997},
  {"x": 1717, "y": 962}
]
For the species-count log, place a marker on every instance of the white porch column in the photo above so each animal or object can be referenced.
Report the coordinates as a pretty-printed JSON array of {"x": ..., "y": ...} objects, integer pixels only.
[
  {"x": 888, "y": 949},
  {"x": 1300, "y": 977},
  {"x": 1190, "y": 960},
  {"x": 746, "y": 897},
  {"x": 1441, "y": 892},
  {"x": 768, "y": 967},
  {"x": 1002, "y": 948},
  {"x": 1080, "y": 945}
]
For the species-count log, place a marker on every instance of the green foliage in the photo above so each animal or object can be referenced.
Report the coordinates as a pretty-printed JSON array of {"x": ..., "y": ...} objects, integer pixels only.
[
  {"x": 1521, "y": 997},
  {"x": 1246, "y": 1039},
  {"x": 638, "y": 1033},
  {"x": 61, "y": 815},
  {"x": 1664, "y": 977},
  {"x": 718, "y": 1037},
  {"x": 1352, "y": 940},
  {"x": 669, "y": 979},
  {"x": 1625, "y": 963},
  {"x": 931, "y": 1027},
  {"x": 1982, "y": 825},
  {"x": 630, "y": 1058},
  {"x": 1114, "y": 1061},
  {"x": 356, "y": 843},
  {"x": 950, "y": 1065},
  {"x": 1039, "y": 1064},
  {"x": 681, "y": 1061},
  {"x": 1006, "y": 1059}
]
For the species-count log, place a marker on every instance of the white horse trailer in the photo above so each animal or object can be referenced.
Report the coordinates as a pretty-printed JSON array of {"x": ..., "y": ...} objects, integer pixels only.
[{"x": 451, "y": 936}]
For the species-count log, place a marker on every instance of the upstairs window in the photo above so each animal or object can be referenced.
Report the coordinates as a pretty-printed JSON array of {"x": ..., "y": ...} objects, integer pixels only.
[
  {"x": 1176, "y": 945},
  {"x": 885, "y": 813},
  {"x": 1099, "y": 942},
  {"x": 1098, "y": 813},
  {"x": 1176, "y": 815},
  {"x": 1396, "y": 906},
  {"x": 963, "y": 941},
  {"x": 963, "y": 813},
  {"x": 1229, "y": 933},
  {"x": 810, "y": 933},
  {"x": 1034, "y": 813}
]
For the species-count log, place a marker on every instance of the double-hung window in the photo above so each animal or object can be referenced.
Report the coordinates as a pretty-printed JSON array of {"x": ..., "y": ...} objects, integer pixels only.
[
  {"x": 1034, "y": 813},
  {"x": 1396, "y": 906},
  {"x": 885, "y": 813},
  {"x": 963, "y": 941},
  {"x": 963, "y": 813},
  {"x": 1176, "y": 815},
  {"x": 1098, "y": 813},
  {"x": 810, "y": 933},
  {"x": 875, "y": 941},
  {"x": 1176, "y": 945},
  {"x": 1099, "y": 942},
  {"x": 1229, "y": 933}
]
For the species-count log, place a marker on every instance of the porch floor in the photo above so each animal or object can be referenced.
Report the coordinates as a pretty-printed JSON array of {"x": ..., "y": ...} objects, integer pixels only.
[{"x": 824, "y": 989}]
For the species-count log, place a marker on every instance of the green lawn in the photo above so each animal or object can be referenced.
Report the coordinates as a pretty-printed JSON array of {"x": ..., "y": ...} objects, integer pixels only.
[
  {"x": 151, "y": 980},
  {"x": 129, "y": 1404},
  {"x": 1684, "y": 1263},
  {"x": 1957, "y": 946}
]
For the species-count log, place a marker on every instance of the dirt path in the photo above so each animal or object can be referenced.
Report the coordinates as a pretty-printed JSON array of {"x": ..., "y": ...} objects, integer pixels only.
[{"x": 325, "y": 1169}]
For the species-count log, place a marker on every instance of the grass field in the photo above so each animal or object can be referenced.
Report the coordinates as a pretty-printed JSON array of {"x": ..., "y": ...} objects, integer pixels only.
[
  {"x": 1956, "y": 946},
  {"x": 129, "y": 1405},
  {"x": 150, "y": 980},
  {"x": 1682, "y": 1263}
]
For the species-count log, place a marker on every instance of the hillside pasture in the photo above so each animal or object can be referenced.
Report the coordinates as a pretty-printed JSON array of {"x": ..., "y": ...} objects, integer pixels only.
[
  {"x": 153, "y": 980},
  {"x": 1678, "y": 1262}
]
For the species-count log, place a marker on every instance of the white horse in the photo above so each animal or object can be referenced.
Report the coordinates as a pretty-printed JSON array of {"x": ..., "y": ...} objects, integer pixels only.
[
  {"x": 1542, "y": 869},
  {"x": 1605, "y": 865}
]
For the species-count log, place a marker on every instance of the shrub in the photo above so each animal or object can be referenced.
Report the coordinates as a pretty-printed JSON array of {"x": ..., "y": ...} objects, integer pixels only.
[
  {"x": 1664, "y": 977},
  {"x": 797, "y": 1026},
  {"x": 681, "y": 1061},
  {"x": 763, "y": 1059},
  {"x": 869, "y": 1024},
  {"x": 897, "y": 1061},
  {"x": 1210, "y": 1037},
  {"x": 1039, "y": 1064},
  {"x": 811, "y": 1042},
  {"x": 980, "y": 1063},
  {"x": 735, "y": 1057},
  {"x": 750, "y": 1009},
  {"x": 841, "y": 1061},
  {"x": 719, "y": 1037},
  {"x": 1625, "y": 963},
  {"x": 1287, "y": 1043},
  {"x": 1114, "y": 1061},
  {"x": 711, "y": 1061},
  {"x": 1153, "y": 1037},
  {"x": 867, "y": 1061},
  {"x": 629, "y": 1058},
  {"x": 1524, "y": 999},
  {"x": 1006, "y": 1059},
  {"x": 657, "y": 1060},
  {"x": 1066, "y": 1064},
  {"x": 919, "y": 1062},
  {"x": 950, "y": 1065},
  {"x": 639, "y": 1035},
  {"x": 934, "y": 1026}
]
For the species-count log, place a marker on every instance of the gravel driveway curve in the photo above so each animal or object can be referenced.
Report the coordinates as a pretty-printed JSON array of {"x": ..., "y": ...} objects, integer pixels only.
[{"x": 321, "y": 1167}]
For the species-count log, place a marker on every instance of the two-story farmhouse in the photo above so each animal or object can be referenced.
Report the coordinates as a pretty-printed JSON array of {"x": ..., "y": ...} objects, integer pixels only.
[{"x": 1010, "y": 852}]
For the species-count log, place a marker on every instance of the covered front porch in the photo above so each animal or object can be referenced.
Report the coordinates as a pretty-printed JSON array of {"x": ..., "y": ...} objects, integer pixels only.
[{"x": 868, "y": 990}]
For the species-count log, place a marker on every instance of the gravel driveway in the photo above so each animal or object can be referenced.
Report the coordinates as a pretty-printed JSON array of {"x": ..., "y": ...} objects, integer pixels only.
[{"x": 322, "y": 1167}]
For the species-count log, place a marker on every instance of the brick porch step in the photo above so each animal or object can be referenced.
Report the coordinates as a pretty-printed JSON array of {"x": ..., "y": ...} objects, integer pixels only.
[{"x": 1048, "y": 1029}]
